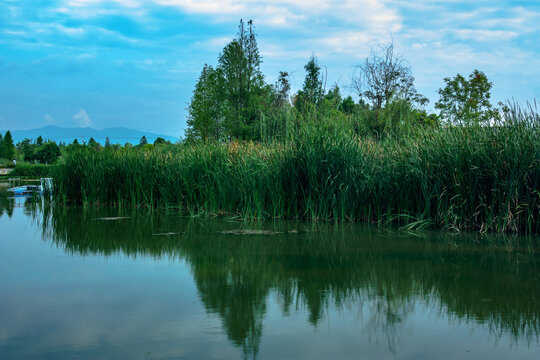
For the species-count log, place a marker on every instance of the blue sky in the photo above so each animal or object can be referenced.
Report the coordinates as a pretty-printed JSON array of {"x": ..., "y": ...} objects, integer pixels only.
[{"x": 134, "y": 63}]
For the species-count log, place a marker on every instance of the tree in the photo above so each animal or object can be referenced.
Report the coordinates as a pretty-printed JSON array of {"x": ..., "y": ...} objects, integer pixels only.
[
  {"x": 227, "y": 100},
  {"x": 48, "y": 153},
  {"x": 143, "y": 141},
  {"x": 312, "y": 90},
  {"x": 347, "y": 105},
  {"x": 39, "y": 141},
  {"x": 107, "y": 142},
  {"x": 465, "y": 101},
  {"x": 282, "y": 87},
  {"x": 28, "y": 149},
  {"x": 7, "y": 148},
  {"x": 205, "y": 111},
  {"x": 93, "y": 143},
  {"x": 160, "y": 141},
  {"x": 385, "y": 76},
  {"x": 239, "y": 63}
]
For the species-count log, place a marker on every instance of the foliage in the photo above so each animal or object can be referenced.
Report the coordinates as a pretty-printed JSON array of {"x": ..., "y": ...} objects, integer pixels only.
[
  {"x": 31, "y": 170},
  {"x": 27, "y": 149},
  {"x": 47, "y": 153},
  {"x": 232, "y": 101},
  {"x": 229, "y": 101},
  {"x": 7, "y": 149},
  {"x": 312, "y": 91},
  {"x": 160, "y": 141},
  {"x": 205, "y": 111},
  {"x": 385, "y": 76},
  {"x": 479, "y": 178},
  {"x": 465, "y": 101}
]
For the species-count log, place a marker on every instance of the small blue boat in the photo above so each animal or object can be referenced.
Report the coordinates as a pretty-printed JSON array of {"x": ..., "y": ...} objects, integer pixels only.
[{"x": 26, "y": 189}]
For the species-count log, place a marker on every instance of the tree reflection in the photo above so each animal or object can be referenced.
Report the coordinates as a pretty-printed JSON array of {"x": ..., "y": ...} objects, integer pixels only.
[{"x": 491, "y": 282}]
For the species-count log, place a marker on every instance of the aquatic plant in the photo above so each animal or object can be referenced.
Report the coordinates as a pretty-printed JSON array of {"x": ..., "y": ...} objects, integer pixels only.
[{"x": 476, "y": 177}]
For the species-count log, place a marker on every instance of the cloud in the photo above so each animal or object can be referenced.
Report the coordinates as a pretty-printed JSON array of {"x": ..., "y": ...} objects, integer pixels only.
[
  {"x": 485, "y": 35},
  {"x": 48, "y": 119},
  {"x": 82, "y": 119}
]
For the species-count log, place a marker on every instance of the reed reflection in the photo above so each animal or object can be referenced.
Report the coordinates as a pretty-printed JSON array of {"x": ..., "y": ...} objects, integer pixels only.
[{"x": 492, "y": 282}]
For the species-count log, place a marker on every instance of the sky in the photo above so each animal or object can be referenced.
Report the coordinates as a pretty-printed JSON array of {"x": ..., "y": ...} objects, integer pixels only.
[{"x": 134, "y": 63}]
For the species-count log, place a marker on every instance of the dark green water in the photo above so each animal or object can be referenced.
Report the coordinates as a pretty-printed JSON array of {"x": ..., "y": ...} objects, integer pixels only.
[{"x": 75, "y": 287}]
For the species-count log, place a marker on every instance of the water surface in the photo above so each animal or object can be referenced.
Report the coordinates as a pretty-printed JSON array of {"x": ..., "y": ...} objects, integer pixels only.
[{"x": 108, "y": 283}]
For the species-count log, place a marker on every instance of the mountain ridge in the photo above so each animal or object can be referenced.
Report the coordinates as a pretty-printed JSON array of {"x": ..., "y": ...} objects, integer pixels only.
[{"x": 117, "y": 135}]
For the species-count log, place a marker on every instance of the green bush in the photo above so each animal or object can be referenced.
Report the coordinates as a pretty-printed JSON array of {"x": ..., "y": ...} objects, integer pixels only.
[{"x": 31, "y": 170}]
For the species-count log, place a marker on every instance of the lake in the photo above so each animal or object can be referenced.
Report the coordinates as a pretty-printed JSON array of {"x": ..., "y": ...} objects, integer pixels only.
[{"x": 103, "y": 283}]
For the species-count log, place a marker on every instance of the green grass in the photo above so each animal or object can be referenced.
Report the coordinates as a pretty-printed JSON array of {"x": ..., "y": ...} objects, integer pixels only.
[
  {"x": 31, "y": 170},
  {"x": 482, "y": 178}
]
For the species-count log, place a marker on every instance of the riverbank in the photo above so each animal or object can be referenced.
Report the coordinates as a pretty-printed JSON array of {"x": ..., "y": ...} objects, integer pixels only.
[{"x": 481, "y": 178}]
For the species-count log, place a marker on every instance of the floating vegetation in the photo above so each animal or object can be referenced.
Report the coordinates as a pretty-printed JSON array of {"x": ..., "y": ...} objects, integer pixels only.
[
  {"x": 250, "y": 232},
  {"x": 168, "y": 234},
  {"x": 111, "y": 218}
]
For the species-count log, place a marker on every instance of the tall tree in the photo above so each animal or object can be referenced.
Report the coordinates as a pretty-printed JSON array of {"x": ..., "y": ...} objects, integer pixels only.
[
  {"x": 466, "y": 101},
  {"x": 27, "y": 149},
  {"x": 313, "y": 85},
  {"x": 385, "y": 76},
  {"x": 227, "y": 100},
  {"x": 282, "y": 88},
  {"x": 243, "y": 82},
  {"x": 7, "y": 148},
  {"x": 307, "y": 99},
  {"x": 48, "y": 153},
  {"x": 205, "y": 111}
]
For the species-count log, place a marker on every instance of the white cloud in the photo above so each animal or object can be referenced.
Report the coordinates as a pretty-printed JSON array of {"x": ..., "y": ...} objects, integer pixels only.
[
  {"x": 82, "y": 119},
  {"x": 68, "y": 30},
  {"x": 48, "y": 119},
  {"x": 485, "y": 35}
]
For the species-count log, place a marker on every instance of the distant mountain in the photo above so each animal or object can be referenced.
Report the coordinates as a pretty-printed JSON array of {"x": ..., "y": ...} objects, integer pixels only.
[{"x": 118, "y": 135}]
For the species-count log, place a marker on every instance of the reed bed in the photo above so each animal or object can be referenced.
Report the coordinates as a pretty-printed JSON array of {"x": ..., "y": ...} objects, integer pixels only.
[{"x": 483, "y": 178}]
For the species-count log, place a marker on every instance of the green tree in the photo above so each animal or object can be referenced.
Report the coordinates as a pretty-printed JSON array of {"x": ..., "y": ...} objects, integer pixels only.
[
  {"x": 107, "y": 142},
  {"x": 228, "y": 101},
  {"x": 160, "y": 141},
  {"x": 93, "y": 143},
  {"x": 466, "y": 101},
  {"x": 27, "y": 149},
  {"x": 239, "y": 63},
  {"x": 347, "y": 105},
  {"x": 282, "y": 89},
  {"x": 143, "y": 141},
  {"x": 205, "y": 111},
  {"x": 312, "y": 91},
  {"x": 39, "y": 141},
  {"x": 48, "y": 153},
  {"x": 7, "y": 148}
]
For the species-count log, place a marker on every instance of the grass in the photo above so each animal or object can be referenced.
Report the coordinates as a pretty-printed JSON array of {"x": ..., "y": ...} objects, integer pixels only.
[
  {"x": 31, "y": 170},
  {"x": 483, "y": 178}
]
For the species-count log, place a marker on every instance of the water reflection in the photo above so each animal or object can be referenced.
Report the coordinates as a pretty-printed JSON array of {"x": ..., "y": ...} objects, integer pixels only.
[{"x": 382, "y": 276}]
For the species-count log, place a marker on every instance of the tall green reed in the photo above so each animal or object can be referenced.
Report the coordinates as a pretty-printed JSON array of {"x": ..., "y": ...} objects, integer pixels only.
[{"x": 484, "y": 178}]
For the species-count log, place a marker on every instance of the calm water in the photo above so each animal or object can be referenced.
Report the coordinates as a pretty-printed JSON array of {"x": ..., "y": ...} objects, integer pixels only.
[{"x": 158, "y": 286}]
